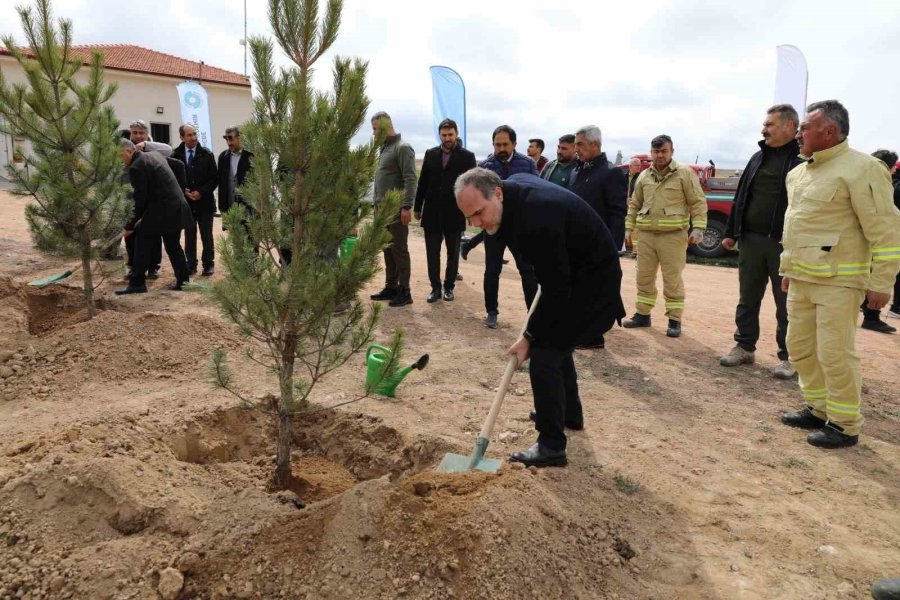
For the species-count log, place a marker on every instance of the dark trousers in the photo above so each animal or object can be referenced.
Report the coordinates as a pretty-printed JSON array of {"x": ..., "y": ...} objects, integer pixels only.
[
  {"x": 758, "y": 264},
  {"x": 494, "y": 247},
  {"x": 433, "y": 239},
  {"x": 396, "y": 257},
  {"x": 204, "y": 222},
  {"x": 142, "y": 253},
  {"x": 155, "y": 260},
  {"x": 895, "y": 305},
  {"x": 555, "y": 387}
]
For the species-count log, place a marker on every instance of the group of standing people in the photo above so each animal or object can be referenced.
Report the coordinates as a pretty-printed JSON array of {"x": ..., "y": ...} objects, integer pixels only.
[
  {"x": 173, "y": 191},
  {"x": 814, "y": 219}
]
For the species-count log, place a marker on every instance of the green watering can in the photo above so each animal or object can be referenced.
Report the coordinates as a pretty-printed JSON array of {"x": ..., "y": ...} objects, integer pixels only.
[
  {"x": 378, "y": 357},
  {"x": 346, "y": 247}
]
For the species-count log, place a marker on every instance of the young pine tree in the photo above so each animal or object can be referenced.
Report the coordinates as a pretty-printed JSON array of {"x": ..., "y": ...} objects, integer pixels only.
[
  {"x": 286, "y": 288},
  {"x": 73, "y": 170}
]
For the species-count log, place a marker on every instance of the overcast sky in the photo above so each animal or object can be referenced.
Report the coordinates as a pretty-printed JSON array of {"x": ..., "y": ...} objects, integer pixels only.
[{"x": 703, "y": 72}]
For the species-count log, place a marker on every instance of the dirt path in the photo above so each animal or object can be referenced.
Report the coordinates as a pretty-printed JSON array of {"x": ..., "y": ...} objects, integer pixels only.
[{"x": 118, "y": 460}]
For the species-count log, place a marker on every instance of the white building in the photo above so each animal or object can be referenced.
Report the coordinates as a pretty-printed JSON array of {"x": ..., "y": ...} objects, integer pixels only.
[{"x": 147, "y": 80}]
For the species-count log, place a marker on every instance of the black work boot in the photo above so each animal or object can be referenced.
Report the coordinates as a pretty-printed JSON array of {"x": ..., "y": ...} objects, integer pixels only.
[
  {"x": 387, "y": 293},
  {"x": 832, "y": 436},
  {"x": 802, "y": 419},
  {"x": 540, "y": 456},
  {"x": 878, "y": 325},
  {"x": 433, "y": 296},
  {"x": 402, "y": 298},
  {"x": 638, "y": 320},
  {"x": 674, "y": 328}
]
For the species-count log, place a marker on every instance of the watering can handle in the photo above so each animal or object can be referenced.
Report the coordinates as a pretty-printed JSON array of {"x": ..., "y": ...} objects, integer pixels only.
[
  {"x": 507, "y": 377},
  {"x": 376, "y": 347}
]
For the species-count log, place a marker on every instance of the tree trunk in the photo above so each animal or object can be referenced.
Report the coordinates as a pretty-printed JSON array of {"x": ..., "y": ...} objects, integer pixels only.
[
  {"x": 86, "y": 273},
  {"x": 286, "y": 411}
]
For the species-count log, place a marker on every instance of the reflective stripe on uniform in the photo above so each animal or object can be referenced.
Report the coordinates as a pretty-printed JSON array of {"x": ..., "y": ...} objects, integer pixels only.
[
  {"x": 813, "y": 394},
  {"x": 646, "y": 300},
  {"x": 841, "y": 408},
  {"x": 886, "y": 254},
  {"x": 675, "y": 304}
]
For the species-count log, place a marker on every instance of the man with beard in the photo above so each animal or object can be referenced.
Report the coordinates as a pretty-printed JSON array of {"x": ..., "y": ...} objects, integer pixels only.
[
  {"x": 233, "y": 166},
  {"x": 159, "y": 211},
  {"x": 841, "y": 244},
  {"x": 560, "y": 170},
  {"x": 505, "y": 162},
  {"x": 757, "y": 221},
  {"x": 435, "y": 207},
  {"x": 202, "y": 179},
  {"x": 577, "y": 266}
]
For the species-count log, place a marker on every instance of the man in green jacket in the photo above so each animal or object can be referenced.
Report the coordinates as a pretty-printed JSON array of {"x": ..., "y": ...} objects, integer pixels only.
[{"x": 396, "y": 171}]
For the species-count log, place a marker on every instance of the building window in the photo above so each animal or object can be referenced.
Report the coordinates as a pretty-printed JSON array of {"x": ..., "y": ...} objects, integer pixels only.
[{"x": 160, "y": 132}]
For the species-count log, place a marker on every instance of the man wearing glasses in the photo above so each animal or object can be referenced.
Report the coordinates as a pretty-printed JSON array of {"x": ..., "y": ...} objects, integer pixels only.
[{"x": 234, "y": 164}]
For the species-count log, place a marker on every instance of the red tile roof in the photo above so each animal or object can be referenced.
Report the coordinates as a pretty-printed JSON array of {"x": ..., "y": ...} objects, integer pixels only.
[{"x": 127, "y": 57}]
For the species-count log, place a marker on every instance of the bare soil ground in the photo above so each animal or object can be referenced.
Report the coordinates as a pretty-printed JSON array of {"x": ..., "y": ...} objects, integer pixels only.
[{"x": 124, "y": 474}]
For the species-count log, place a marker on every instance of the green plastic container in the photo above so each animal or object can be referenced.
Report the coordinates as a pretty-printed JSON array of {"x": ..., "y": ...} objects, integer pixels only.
[{"x": 347, "y": 246}]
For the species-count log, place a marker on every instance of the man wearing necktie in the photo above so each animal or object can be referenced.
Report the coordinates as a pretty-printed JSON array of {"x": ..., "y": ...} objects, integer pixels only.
[{"x": 202, "y": 179}]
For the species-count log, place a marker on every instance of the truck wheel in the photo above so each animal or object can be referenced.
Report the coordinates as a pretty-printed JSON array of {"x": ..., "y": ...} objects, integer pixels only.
[{"x": 711, "y": 244}]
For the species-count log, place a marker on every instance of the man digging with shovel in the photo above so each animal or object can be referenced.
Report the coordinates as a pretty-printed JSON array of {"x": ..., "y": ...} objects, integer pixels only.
[{"x": 577, "y": 267}]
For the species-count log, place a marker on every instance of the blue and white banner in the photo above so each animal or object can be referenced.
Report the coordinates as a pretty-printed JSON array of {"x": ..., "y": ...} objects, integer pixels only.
[
  {"x": 791, "y": 78},
  {"x": 195, "y": 111},
  {"x": 449, "y": 94}
]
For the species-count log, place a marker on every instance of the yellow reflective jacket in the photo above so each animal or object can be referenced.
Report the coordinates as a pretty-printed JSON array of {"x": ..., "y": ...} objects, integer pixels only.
[
  {"x": 669, "y": 201},
  {"x": 841, "y": 227}
]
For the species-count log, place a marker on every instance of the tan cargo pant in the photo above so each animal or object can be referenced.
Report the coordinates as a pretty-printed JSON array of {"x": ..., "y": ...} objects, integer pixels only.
[
  {"x": 821, "y": 341},
  {"x": 666, "y": 252}
]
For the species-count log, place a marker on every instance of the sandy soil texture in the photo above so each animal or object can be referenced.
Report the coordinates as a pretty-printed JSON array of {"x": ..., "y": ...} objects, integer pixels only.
[{"x": 124, "y": 474}]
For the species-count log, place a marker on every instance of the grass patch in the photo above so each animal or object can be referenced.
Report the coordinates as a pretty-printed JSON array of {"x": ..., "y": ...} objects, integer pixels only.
[
  {"x": 625, "y": 485},
  {"x": 794, "y": 463}
]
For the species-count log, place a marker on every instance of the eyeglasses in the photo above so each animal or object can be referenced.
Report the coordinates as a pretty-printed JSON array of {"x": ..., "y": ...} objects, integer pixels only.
[{"x": 229, "y": 137}]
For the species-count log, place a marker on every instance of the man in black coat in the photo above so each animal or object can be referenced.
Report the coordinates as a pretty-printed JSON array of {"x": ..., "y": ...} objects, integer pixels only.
[
  {"x": 436, "y": 208},
  {"x": 577, "y": 267},
  {"x": 233, "y": 166},
  {"x": 199, "y": 191},
  {"x": 159, "y": 210},
  {"x": 757, "y": 221}
]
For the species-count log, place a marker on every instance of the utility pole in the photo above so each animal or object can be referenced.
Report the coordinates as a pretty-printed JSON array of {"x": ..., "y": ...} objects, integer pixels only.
[{"x": 243, "y": 42}]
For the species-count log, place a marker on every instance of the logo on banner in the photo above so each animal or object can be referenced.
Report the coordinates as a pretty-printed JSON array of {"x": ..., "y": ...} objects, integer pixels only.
[{"x": 193, "y": 100}]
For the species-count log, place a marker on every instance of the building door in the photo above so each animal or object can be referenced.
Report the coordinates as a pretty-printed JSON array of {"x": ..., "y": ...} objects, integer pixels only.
[{"x": 160, "y": 132}]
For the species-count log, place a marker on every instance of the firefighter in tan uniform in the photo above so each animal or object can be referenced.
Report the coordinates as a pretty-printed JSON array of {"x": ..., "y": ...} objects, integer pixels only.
[
  {"x": 667, "y": 201},
  {"x": 841, "y": 244}
]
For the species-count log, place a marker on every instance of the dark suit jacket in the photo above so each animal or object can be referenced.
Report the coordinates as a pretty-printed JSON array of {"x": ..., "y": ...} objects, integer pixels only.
[
  {"x": 575, "y": 260},
  {"x": 202, "y": 176},
  {"x": 434, "y": 196},
  {"x": 158, "y": 199},
  {"x": 224, "y": 167},
  {"x": 604, "y": 187}
]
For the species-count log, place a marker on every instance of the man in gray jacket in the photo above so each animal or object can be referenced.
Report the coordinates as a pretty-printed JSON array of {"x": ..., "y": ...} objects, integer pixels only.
[{"x": 396, "y": 171}]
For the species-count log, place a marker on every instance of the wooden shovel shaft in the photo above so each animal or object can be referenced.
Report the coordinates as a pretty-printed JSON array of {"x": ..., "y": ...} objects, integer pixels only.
[{"x": 511, "y": 367}]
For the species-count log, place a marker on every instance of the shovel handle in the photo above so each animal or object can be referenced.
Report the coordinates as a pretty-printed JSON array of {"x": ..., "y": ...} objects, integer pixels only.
[{"x": 507, "y": 377}]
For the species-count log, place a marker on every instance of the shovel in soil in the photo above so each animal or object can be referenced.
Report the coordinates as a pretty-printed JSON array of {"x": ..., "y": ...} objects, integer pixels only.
[{"x": 457, "y": 463}]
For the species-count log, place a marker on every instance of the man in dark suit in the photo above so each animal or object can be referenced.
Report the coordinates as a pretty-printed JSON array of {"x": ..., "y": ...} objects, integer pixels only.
[
  {"x": 159, "y": 210},
  {"x": 233, "y": 166},
  {"x": 576, "y": 264},
  {"x": 202, "y": 179},
  {"x": 436, "y": 207}
]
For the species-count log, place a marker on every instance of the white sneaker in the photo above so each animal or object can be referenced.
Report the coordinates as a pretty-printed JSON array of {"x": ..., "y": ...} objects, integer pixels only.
[
  {"x": 784, "y": 370},
  {"x": 893, "y": 313},
  {"x": 737, "y": 356}
]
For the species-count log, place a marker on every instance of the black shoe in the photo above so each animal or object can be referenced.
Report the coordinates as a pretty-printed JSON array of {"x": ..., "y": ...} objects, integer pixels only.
[
  {"x": 465, "y": 249},
  {"x": 178, "y": 286},
  {"x": 192, "y": 269},
  {"x": 596, "y": 343},
  {"x": 538, "y": 456},
  {"x": 449, "y": 296},
  {"x": 402, "y": 298},
  {"x": 573, "y": 425},
  {"x": 878, "y": 325},
  {"x": 153, "y": 274},
  {"x": 831, "y": 436},
  {"x": 433, "y": 296},
  {"x": 674, "y": 328},
  {"x": 886, "y": 589},
  {"x": 207, "y": 271},
  {"x": 637, "y": 320},
  {"x": 802, "y": 419},
  {"x": 132, "y": 289},
  {"x": 387, "y": 293},
  {"x": 490, "y": 321}
]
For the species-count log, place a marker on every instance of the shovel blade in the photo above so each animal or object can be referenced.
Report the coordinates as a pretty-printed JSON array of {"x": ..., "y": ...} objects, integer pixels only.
[{"x": 457, "y": 463}]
